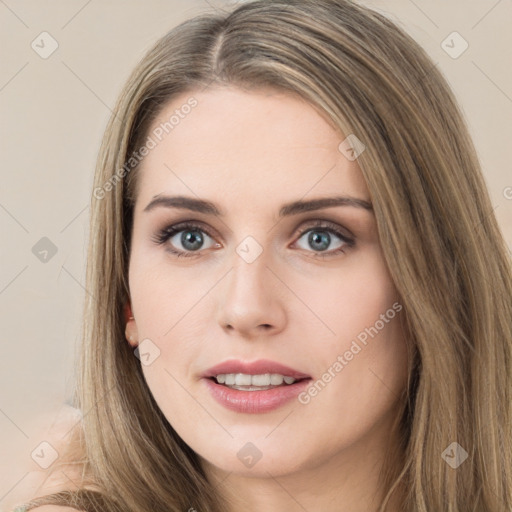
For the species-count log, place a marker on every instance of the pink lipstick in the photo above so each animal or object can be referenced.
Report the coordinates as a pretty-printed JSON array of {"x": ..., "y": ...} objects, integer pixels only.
[{"x": 254, "y": 387}]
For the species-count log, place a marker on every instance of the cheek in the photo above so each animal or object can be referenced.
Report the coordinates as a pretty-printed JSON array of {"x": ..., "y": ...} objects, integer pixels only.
[
  {"x": 164, "y": 296},
  {"x": 361, "y": 357},
  {"x": 349, "y": 300},
  {"x": 171, "y": 324},
  {"x": 337, "y": 309},
  {"x": 339, "y": 314}
]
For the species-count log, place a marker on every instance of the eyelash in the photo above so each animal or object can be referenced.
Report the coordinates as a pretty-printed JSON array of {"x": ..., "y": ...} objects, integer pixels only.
[{"x": 168, "y": 232}]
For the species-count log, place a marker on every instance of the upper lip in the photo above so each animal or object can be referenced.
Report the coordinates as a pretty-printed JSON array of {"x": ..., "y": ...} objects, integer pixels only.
[{"x": 258, "y": 367}]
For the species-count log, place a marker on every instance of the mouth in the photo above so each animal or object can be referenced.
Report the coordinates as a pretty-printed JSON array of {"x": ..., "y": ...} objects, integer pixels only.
[
  {"x": 256, "y": 387},
  {"x": 259, "y": 382},
  {"x": 260, "y": 373}
]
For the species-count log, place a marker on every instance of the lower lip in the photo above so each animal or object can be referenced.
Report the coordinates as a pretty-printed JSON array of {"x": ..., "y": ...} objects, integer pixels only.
[{"x": 254, "y": 402}]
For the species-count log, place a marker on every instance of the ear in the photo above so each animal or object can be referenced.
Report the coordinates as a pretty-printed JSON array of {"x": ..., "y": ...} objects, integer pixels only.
[
  {"x": 131, "y": 327},
  {"x": 128, "y": 312}
]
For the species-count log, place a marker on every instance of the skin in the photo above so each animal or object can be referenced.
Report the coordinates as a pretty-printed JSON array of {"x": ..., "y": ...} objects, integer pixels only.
[{"x": 249, "y": 153}]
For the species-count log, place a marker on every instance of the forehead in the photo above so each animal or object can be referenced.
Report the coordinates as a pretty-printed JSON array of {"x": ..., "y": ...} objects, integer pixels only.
[{"x": 226, "y": 143}]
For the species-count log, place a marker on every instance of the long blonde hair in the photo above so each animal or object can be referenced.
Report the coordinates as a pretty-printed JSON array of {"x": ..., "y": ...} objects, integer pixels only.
[{"x": 438, "y": 233}]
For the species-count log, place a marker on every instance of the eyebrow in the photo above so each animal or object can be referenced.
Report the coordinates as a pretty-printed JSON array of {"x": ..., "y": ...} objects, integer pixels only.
[{"x": 293, "y": 208}]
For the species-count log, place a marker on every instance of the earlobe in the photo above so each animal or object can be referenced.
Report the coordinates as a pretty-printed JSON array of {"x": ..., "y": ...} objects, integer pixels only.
[
  {"x": 131, "y": 327},
  {"x": 131, "y": 333}
]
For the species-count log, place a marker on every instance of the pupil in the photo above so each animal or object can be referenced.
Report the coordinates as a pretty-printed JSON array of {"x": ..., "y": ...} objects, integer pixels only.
[
  {"x": 323, "y": 239},
  {"x": 191, "y": 240}
]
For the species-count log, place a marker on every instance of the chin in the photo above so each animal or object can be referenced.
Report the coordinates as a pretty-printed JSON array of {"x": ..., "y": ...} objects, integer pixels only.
[{"x": 258, "y": 459}]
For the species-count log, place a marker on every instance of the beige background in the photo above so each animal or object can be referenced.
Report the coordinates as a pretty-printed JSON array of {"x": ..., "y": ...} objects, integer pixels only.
[{"x": 53, "y": 114}]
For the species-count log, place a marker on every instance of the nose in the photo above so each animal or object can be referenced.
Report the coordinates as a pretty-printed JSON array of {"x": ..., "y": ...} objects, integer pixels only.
[{"x": 251, "y": 300}]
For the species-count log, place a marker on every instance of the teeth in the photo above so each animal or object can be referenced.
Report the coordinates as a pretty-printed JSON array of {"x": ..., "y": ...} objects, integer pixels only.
[
  {"x": 261, "y": 380},
  {"x": 244, "y": 379},
  {"x": 276, "y": 379}
]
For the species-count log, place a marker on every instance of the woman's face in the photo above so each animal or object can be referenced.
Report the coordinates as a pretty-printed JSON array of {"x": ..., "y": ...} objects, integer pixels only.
[{"x": 267, "y": 282}]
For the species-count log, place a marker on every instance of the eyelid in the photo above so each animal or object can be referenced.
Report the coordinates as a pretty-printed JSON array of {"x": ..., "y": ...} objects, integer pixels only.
[
  {"x": 325, "y": 224},
  {"x": 168, "y": 231},
  {"x": 189, "y": 224}
]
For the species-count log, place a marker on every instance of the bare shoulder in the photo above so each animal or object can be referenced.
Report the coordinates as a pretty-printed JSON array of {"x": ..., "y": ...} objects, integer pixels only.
[
  {"x": 65, "y": 473},
  {"x": 61, "y": 443}
]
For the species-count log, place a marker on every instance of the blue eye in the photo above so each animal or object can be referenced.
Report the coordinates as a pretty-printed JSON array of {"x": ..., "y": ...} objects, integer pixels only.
[
  {"x": 320, "y": 238},
  {"x": 192, "y": 239},
  {"x": 190, "y": 236}
]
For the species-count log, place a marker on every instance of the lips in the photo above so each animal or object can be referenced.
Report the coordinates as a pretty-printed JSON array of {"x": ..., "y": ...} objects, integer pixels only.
[
  {"x": 251, "y": 399},
  {"x": 259, "y": 367}
]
